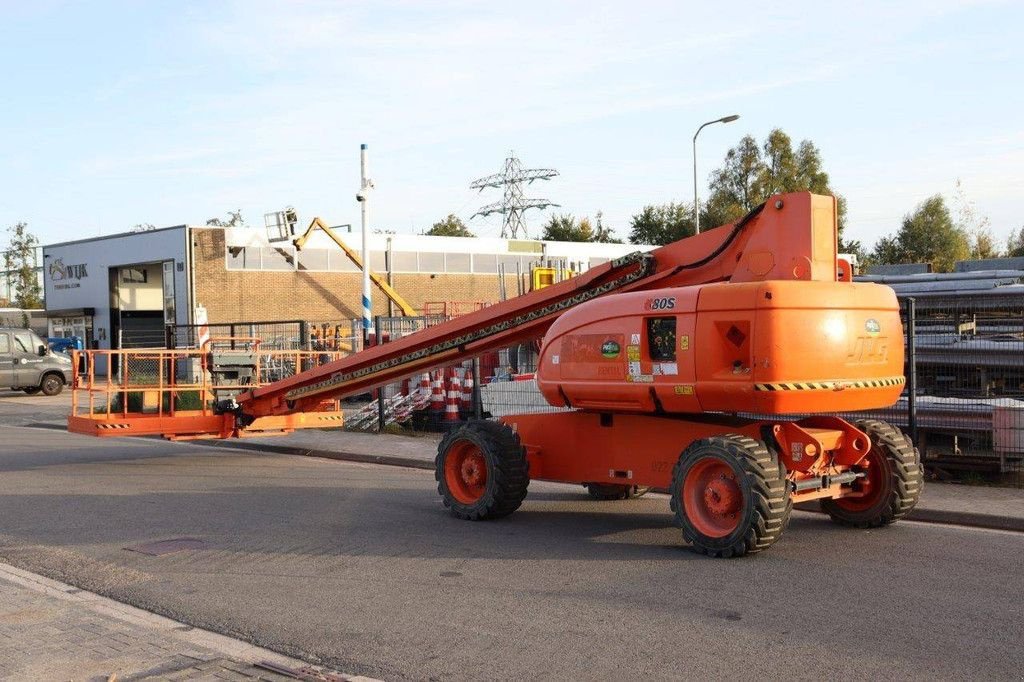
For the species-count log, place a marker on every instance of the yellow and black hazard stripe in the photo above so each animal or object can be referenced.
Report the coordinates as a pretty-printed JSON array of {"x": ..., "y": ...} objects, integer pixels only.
[
  {"x": 113, "y": 426},
  {"x": 833, "y": 385}
]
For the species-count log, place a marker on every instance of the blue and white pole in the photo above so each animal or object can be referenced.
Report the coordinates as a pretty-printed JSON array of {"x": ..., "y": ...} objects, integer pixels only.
[{"x": 363, "y": 196}]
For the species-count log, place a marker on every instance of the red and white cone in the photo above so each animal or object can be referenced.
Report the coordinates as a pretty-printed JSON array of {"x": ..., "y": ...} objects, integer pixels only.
[
  {"x": 451, "y": 406},
  {"x": 467, "y": 393},
  {"x": 436, "y": 394}
]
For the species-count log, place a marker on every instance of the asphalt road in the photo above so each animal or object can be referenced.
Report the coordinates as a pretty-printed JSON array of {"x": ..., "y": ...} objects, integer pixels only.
[{"x": 359, "y": 567}]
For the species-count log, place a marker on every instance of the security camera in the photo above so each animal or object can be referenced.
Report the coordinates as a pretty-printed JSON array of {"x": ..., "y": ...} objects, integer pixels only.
[{"x": 361, "y": 195}]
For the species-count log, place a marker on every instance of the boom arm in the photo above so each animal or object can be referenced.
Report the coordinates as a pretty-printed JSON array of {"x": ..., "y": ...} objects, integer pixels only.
[
  {"x": 789, "y": 237},
  {"x": 381, "y": 283}
]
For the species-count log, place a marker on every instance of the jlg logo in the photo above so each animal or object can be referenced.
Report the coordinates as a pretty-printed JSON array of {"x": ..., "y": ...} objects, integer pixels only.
[
  {"x": 868, "y": 351},
  {"x": 660, "y": 303}
]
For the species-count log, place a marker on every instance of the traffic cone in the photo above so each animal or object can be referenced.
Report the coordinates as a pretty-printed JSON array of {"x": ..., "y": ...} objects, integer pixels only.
[
  {"x": 436, "y": 395},
  {"x": 467, "y": 393},
  {"x": 451, "y": 406}
]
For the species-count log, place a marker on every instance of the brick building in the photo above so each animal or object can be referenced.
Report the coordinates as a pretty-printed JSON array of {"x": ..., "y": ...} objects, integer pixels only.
[{"x": 120, "y": 291}]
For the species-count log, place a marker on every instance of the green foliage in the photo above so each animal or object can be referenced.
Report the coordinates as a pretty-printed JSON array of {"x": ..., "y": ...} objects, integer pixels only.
[
  {"x": 234, "y": 219},
  {"x": 451, "y": 226},
  {"x": 20, "y": 263},
  {"x": 566, "y": 228},
  {"x": 750, "y": 173},
  {"x": 976, "y": 227},
  {"x": 1015, "y": 244},
  {"x": 927, "y": 235},
  {"x": 662, "y": 224}
]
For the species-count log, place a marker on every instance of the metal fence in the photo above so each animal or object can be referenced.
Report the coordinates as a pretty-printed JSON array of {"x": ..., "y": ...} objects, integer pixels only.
[
  {"x": 964, "y": 402},
  {"x": 963, "y": 405},
  {"x": 273, "y": 335}
]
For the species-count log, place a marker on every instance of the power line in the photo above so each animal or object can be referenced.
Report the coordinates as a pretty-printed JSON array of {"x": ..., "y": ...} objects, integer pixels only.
[{"x": 513, "y": 204}]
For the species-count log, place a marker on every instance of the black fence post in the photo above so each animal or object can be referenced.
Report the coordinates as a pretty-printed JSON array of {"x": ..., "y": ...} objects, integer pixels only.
[
  {"x": 380, "y": 391},
  {"x": 912, "y": 368},
  {"x": 478, "y": 408}
]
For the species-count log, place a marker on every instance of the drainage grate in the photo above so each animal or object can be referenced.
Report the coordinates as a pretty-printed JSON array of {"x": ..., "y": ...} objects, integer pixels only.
[{"x": 161, "y": 547}]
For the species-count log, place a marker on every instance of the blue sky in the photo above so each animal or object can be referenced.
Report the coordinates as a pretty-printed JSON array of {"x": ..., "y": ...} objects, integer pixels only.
[{"x": 168, "y": 112}]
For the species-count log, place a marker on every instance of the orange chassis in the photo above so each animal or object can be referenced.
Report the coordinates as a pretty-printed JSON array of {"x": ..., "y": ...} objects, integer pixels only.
[{"x": 819, "y": 453}]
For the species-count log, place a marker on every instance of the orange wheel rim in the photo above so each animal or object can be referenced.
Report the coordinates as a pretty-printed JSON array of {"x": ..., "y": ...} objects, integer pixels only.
[
  {"x": 712, "y": 497},
  {"x": 870, "y": 486},
  {"x": 465, "y": 472}
]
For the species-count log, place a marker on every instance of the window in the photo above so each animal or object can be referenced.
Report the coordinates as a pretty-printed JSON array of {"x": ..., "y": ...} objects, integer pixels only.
[
  {"x": 312, "y": 259},
  {"x": 134, "y": 276},
  {"x": 5, "y": 343},
  {"x": 485, "y": 262},
  {"x": 23, "y": 343},
  {"x": 661, "y": 338},
  {"x": 431, "y": 262},
  {"x": 278, "y": 258},
  {"x": 456, "y": 262},
  {"x": 405, "y": 261}
]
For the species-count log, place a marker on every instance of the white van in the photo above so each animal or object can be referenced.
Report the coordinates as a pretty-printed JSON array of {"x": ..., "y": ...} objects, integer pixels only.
[{"x": 27, "y": 364}]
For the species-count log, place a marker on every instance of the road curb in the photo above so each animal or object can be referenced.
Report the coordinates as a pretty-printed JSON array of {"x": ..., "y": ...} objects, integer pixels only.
[
  {"x": 922, "y": 514},
  {"x": 946, "y": 516}
]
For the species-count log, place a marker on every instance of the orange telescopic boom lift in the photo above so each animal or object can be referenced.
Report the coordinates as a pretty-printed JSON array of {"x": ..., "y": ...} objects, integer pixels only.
[{"x": 677, "y": 370}]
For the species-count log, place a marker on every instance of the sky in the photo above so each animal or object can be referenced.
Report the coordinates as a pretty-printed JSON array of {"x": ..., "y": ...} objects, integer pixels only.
[{"x": 115, "y": 114}]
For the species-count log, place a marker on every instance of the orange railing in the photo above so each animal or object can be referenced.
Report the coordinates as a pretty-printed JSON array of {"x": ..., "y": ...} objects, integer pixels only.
[{"x": 147, "y": 390}]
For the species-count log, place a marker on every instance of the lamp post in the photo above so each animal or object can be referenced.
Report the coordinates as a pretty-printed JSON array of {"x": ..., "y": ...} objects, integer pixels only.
[{"x": 696, "y": 199}]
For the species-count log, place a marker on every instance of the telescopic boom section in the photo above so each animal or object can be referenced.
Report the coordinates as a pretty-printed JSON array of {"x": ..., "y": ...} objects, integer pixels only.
[{"x": 789, "y": 237}]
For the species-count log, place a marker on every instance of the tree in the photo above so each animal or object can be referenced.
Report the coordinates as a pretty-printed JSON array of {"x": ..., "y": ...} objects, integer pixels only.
[
  {"x": 566, "y": 228},
  {"x": 887, "y": 251},
  {"x": 750, "y": 174},
  {"x": 235, "y": 219},
  {"x": 662, "y": 224},
  {"x": 20, "y": 263},
  {"x": 1015, "y": 244},
  {"x": 927, "y": 235},
  {"x": 451, "y": 226},
  {"x": 977, "y": 227}
]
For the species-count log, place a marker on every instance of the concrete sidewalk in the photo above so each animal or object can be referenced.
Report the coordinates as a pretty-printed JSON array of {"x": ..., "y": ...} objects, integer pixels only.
[
  {"x": 980, "y": 506},
  {"x": 53, "y": 631}
]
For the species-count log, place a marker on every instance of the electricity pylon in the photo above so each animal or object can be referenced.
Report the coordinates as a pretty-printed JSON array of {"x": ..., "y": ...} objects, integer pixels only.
[{"x": 514, "y": 204}]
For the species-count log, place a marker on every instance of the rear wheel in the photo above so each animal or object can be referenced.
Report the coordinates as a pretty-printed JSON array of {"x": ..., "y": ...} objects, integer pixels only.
[
  {"x": 613, "y": 491},
  {"x": 32, "y": 390},
  {"x": 481, "y": 471},
  {"x": 892, "y": 483},
  {"x": 729, "y": 496},
  {"x": 52, "y": 384}
]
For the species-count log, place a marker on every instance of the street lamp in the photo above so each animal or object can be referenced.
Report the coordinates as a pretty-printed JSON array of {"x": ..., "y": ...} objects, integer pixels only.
[{"x": 696, "y": 199}]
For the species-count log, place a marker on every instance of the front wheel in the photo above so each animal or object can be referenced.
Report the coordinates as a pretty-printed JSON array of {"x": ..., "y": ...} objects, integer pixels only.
[
  {"x": 52, "y": 385},
  {"x": 729, "y": 496},
  {"x": 891, "y": 485},
  {"x": 481, "y": 471}
]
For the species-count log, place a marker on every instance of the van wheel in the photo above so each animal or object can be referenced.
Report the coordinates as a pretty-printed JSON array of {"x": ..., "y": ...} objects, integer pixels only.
[
  {"x": 52, "y": 384},
  {"x": 32, "y": 390}
]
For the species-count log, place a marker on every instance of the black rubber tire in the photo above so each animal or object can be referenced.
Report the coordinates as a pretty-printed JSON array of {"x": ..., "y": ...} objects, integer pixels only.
[
  {"x": 614, "y": 491},
  {"x": 508, "y": 473},
  {"x": 762, "y": 482},
  {"x": 902, "y": 479},
  {"x": 32, "y": 390},
  {"x": 52, "y": 384}
]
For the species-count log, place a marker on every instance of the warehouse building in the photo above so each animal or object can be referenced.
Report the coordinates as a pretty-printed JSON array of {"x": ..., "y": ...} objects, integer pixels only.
[{"x": 120, "y": 291}]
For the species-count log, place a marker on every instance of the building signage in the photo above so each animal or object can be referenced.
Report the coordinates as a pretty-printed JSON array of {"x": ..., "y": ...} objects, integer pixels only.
[{"x": 67, "y": 276}]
